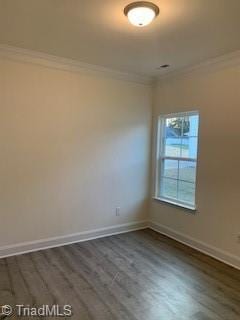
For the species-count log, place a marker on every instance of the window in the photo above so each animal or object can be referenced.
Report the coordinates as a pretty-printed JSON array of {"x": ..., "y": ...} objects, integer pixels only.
[{"x": 177, "y": 158}]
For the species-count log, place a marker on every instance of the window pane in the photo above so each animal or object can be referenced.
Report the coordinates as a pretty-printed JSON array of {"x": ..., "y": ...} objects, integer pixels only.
[
  {"x": 173, "y": 147},
  {"x": 191, "y": 126},
  {"x": 168, "y": 188},
  {"x": 170, "y": 168},
  {"x": 173, "y": 127},
  {"x": 173, "y": 133},
  {"x": 185, "y": 126},
  {"x": 187, "y": 171},
  {"x": 189, "y": 148},
  {"x": 186, "y": 192}
]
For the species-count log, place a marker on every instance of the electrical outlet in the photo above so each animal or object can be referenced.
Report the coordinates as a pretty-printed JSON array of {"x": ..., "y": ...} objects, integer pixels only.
[{"x": 117, "y": 211}]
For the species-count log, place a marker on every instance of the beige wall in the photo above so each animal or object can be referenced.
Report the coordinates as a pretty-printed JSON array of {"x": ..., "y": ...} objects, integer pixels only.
[
  {"x": 216, "y": 94},
  {"x": 76, "y": 146},
  {"x": 73, "y": 147}
]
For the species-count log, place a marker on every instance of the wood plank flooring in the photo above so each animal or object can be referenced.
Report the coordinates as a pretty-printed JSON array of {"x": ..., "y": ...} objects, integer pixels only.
[{"x": 134, "y": 276}]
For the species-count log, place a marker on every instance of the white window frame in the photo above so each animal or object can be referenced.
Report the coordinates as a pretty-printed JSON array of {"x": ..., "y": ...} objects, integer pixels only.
[{"x": 160, "y": 157}]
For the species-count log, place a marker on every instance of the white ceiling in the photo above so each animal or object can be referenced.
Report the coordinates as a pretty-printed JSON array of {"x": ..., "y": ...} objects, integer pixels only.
[{"x": 185, "y": 33}]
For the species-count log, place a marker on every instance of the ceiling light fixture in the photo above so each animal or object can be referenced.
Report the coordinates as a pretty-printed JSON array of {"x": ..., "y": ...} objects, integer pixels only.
[{"x": 141, "y": 13}]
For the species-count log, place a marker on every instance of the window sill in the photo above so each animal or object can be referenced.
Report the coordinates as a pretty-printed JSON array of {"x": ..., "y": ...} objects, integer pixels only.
[{"x": 193, "y": 209}]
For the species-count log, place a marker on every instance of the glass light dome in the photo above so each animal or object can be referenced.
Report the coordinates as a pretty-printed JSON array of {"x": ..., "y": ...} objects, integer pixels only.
[{"x": 141, "y": 13}]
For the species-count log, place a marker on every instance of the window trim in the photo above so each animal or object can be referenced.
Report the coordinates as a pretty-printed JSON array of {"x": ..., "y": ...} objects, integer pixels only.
[{"x": 158, "y": 160}]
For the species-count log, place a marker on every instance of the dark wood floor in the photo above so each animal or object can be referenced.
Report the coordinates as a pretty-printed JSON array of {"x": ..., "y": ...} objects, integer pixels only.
[{"x": 136, "y": 276}]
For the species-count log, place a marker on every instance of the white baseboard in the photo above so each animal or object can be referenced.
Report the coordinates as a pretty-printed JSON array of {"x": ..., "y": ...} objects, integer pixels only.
[
  {"x": 31, "y": 246},
  {"x": 221, "y": 255},
  {"x": 24, "y": 247}
]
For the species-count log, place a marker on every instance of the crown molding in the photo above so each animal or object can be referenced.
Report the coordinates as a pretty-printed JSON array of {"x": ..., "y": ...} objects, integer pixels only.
[
  {"x": 214, "y": 64},
  {"x": 56, "y": 62},
  {"x": 51, "y": 61}
]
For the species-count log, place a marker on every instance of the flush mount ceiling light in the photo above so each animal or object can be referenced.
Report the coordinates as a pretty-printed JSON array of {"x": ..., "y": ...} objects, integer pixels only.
[{"x": 141, "y": 13}]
